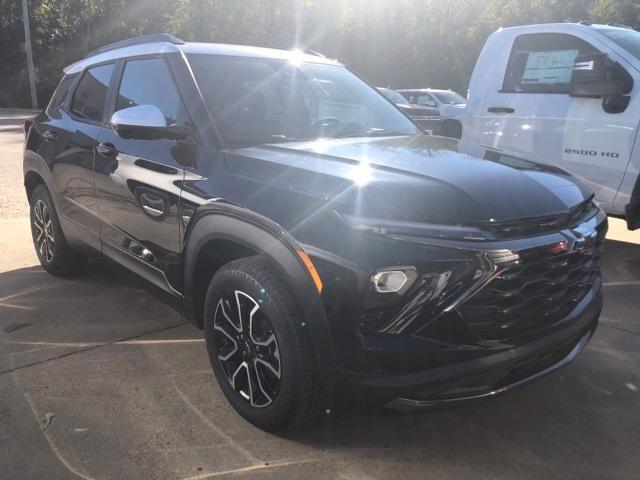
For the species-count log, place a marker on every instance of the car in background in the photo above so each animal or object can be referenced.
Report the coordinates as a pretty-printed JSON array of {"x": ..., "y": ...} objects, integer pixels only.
[
  {"x": 449, "y": 104},
  {"x": 426, "y": 117}
]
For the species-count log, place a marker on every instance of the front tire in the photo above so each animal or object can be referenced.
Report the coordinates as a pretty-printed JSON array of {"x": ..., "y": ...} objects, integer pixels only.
[
  {"x": 257, "y": 344},
  {"x": 54, "y": 253}
]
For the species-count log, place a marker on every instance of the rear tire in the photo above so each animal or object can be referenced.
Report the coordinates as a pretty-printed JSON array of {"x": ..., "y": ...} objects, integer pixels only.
[
  {"x": 54, "y": 253},
  {"x": 257, "y": 344}
]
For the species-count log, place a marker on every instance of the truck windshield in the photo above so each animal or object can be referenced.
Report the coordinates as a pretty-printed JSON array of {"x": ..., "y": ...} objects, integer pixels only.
[
  {"x": 624, "y": 37},
  {"x": 450, "y": 98},
  {"x": 256, "y": 100}
]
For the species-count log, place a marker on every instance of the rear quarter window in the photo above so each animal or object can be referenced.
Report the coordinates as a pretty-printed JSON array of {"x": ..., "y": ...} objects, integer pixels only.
[
  {"x": 91, "y": 93},
  {"x": 60, "y": 95}
]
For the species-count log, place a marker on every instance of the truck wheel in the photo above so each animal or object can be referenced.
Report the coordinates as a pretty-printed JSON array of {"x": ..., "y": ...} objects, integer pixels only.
[
  {"x": 257, "y": 345},
  {"x": 54, "y": 253},
  {"x": 451, "y": 128}
]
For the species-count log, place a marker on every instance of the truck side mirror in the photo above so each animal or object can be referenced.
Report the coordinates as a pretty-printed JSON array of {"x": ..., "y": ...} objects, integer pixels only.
[
  {"x": 597, "y": 76},
  {"x": 593, "y": 76}
]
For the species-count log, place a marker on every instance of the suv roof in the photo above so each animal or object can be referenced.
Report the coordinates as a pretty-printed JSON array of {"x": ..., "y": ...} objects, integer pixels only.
[
  {"x": 166, "y": 43},
  {"x": 430, "y": 90}
]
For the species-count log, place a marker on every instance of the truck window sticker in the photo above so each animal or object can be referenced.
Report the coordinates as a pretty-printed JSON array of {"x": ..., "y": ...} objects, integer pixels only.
[
  {"x": 543, "y": 62},
  {"x": 549, "y": 67}
]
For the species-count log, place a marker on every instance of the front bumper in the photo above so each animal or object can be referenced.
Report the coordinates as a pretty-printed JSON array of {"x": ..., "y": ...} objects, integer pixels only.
[{"x": 484, "y": 376}]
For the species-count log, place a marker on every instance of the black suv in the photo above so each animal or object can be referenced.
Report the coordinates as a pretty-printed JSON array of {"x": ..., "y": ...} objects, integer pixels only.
[{"x": 329, "y": 250}]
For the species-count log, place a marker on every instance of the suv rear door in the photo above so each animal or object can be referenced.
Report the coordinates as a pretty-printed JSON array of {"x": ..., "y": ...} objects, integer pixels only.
[
  {"x": 69, "y": 134},
  {"x": 138, "y": 182}
]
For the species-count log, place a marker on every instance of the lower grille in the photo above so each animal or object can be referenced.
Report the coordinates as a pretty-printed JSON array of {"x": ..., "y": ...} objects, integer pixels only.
[{"x": 537, "y": 292}]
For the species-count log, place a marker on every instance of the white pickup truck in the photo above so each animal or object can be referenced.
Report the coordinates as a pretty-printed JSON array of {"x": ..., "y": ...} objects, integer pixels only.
[{"x": 567, "y": 95}]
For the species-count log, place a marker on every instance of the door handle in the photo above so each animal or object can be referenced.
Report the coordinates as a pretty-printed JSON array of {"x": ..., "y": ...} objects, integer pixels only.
[
  {"x": 500, "y": 110},
  {"x": 153, "y": 212},
  {"x": 50, "y": 136},
  {"x": 106, "y": 149},
  {"x": 155, "y": 205}
]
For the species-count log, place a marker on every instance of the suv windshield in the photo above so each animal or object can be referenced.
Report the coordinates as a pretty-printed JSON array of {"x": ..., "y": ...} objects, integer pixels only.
[
  {"x": 450, "y": 98},
  {"x": 626, "y": 38},
  {"x": 392, "y": 95},
  {"x": 255, "y": 100}
]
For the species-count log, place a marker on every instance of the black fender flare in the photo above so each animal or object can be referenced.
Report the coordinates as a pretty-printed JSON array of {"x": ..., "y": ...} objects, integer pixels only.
[
  {"x": 223, "y": 221},
  {"x": 32, "y": 162}
]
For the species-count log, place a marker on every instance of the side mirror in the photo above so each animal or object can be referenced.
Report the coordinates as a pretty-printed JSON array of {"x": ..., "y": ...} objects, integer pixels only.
[
  {"x": 145, "y": 122},
  {"x": 595, "y": 76}
]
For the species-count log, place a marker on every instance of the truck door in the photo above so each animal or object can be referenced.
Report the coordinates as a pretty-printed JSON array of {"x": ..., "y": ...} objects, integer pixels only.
[{"x": 528, "y": 111}]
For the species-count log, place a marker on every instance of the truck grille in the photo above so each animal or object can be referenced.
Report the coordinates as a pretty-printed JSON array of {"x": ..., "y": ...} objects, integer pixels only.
[{"x": 540, "y": 291}]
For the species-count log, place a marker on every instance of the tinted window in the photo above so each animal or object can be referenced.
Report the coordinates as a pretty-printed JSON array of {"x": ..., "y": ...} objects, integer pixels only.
[
  {"x": 392, "y": 95},
  {"x": 149, "y": 82},
  {"x": 89, "y": 97},
  {"x": 60, "y": 95},
  {"x": 543, "y": 62},
  {"x": 450, "y": 98},
  {"x": 424, "y": 100},
  {"x": 262, "y": 100}
]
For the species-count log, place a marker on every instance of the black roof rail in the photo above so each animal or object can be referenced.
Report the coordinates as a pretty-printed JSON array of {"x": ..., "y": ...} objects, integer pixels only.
[
  {"x": 155, "y": 38},
  {"x": 585, "y": 22}
]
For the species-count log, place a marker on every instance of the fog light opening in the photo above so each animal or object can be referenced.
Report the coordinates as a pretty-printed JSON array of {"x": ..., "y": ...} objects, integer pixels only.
[{"x": 391, "y": 281}]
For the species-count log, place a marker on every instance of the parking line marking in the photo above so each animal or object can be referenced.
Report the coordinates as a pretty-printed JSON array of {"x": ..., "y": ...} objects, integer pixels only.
[
  {"x": 248, "y": 469},
  {"x": 52, "y": 445},
  {"x": 90, "y": 344},
  {"x": 247, "y": 454}
]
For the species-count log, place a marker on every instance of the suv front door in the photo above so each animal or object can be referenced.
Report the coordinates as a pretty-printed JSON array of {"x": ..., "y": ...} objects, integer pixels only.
[{"x": 138, "y": 182}]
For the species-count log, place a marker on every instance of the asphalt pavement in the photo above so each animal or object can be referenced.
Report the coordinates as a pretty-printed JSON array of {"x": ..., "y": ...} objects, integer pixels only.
[{"x": 100, "y": 380}]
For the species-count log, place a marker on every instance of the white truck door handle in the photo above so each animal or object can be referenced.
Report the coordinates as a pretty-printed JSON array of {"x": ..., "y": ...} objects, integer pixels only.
[{"x": 500, "y": 110}]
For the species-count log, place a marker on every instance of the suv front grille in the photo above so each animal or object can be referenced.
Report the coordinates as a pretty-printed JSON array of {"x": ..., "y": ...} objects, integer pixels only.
[
  {"x": 538, "y": 292},
  {"x": 537, "y": 226}
]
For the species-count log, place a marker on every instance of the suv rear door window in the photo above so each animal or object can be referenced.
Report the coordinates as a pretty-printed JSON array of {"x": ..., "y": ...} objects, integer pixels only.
[
  {"x": 149, "y": 82},
  {"x": 543, "y": 62},
  {"x": 91, "y": 93}
]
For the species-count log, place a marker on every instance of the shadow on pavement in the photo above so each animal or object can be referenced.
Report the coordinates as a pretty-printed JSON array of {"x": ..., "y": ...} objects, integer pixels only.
[{"x": 42, "y": 316}]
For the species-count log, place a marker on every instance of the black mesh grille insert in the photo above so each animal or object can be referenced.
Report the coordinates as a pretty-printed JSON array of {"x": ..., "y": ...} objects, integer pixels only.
[
  {"x": 536, "y": 226},
  {"x": 539, "y": 291}
]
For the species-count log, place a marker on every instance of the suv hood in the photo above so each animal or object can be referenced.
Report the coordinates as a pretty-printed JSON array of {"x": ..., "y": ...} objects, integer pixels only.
[{"x": 414, "y": 178}]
